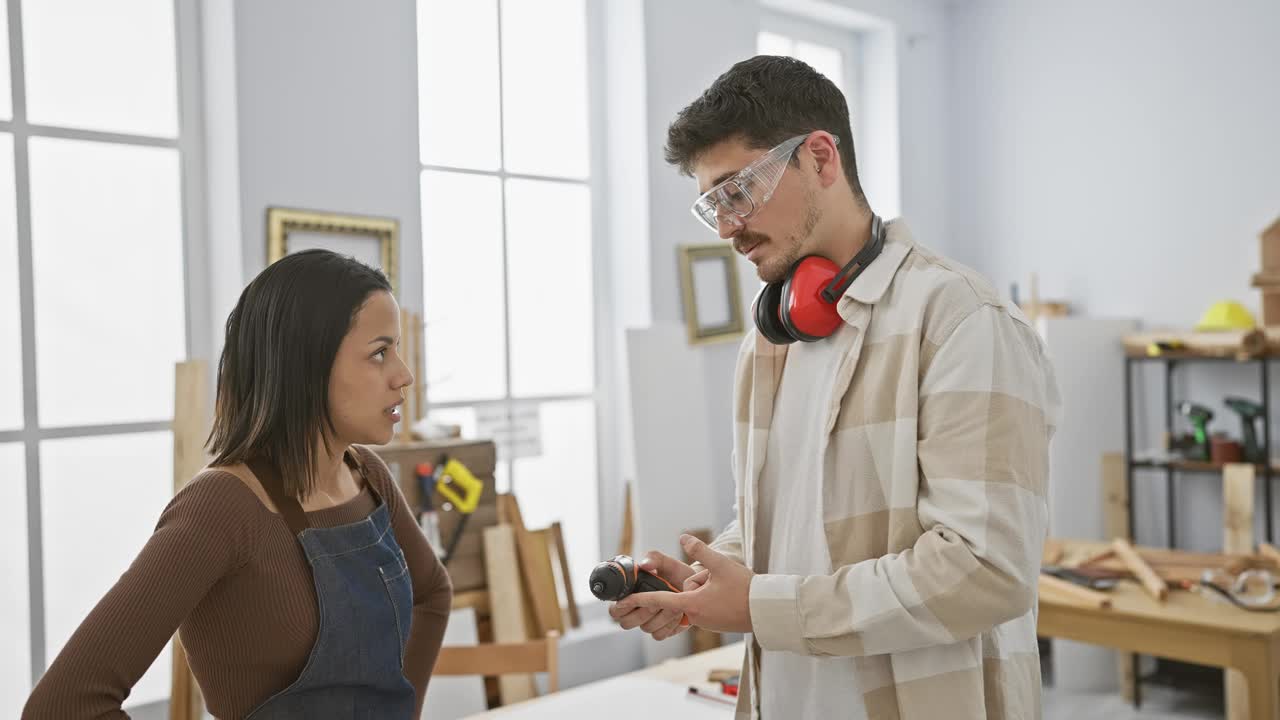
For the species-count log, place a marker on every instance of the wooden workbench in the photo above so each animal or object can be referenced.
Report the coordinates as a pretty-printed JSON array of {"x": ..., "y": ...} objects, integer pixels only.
[{"x": 1189, "y": 626}]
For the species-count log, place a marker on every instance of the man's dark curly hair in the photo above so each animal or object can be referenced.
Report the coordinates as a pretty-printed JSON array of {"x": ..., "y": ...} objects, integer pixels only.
[{"x": 763, "y": 101}]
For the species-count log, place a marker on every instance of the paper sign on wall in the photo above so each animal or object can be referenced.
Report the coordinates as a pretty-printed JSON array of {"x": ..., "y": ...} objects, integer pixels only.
[{"x": 516, "y": 429}]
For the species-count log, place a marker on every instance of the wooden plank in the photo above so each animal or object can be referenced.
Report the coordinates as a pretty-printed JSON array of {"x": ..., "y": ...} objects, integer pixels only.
[
  {"x": 420, "y": 382},
  {"x": 1115, "y": 523},
  {"x": 190, "y": 421},
  {"x": 405, "y": 432},
  {"x": 535, "y": 568},
  {"x": 571, "y": 606},
  {"x": 477, "y": 599},
  {"x": 1139, "y": 567},
  {"x": 1229, "y": 343},
  {"x": 507, "y": 605},
  {"x": 1070, "y": 592},
  {"x": 1160, "y": 559},
  {"x": 1237, "y": 523},
  {"x": 498, "y": 659},
  {"x": 190, "y": 428},
  {"x": 1270, "y": 552},
  {"x": 535, "y": 561}
]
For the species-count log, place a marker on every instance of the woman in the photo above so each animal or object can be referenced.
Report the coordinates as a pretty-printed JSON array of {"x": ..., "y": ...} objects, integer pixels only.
[{"x": 299, "y": 580}]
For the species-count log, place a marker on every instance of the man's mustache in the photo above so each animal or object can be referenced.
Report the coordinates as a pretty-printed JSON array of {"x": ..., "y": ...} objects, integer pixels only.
[{"x": 746, "y": 241}]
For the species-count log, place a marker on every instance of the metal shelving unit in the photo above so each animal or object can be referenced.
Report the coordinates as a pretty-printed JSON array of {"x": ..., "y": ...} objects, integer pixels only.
[{"x": 1173, "y": 468}]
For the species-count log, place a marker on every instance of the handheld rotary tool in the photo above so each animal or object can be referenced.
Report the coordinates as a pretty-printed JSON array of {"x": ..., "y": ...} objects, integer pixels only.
[{"x": 617, "y": 578}]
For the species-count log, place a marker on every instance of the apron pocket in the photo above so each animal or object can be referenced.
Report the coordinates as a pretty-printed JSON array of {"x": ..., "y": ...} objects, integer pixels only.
[{"x": 396, "y": 579}]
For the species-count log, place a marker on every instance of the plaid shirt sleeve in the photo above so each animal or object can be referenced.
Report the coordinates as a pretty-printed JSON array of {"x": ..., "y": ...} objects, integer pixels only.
[{"x": 987, "y": 408}]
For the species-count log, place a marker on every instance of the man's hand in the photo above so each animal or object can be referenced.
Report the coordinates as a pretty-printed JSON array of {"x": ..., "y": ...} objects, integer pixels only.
[
  {"x": 716, "y": 598},
  {"x": 661, "y": 624}
]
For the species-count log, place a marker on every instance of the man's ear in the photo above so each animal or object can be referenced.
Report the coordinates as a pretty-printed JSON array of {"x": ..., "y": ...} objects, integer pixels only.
[{"x": 825, "y": 157}]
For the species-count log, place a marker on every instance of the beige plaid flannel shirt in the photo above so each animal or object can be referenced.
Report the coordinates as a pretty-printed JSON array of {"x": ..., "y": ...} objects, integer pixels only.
[{"x": 934, "y": 499}]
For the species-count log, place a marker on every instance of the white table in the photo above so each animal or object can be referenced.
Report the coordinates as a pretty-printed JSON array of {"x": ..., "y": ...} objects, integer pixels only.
[{"x": 661, "y": 690}]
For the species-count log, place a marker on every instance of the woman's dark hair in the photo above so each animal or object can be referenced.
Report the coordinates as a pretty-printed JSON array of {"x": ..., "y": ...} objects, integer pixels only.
[{"x": 273, "y": 378}]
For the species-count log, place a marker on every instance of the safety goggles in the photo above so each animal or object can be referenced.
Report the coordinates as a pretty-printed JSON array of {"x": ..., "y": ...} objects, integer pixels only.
[
  {"x": 1253, "y": 589},
  {"x": 735, "y": 200}
]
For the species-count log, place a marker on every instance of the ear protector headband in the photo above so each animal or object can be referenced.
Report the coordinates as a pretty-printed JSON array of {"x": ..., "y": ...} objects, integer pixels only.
[{"x": 802, "y": 306}]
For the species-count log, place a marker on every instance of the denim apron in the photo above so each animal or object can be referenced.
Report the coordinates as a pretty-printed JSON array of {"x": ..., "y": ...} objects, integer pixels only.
[{"x": 356, "y": 668}]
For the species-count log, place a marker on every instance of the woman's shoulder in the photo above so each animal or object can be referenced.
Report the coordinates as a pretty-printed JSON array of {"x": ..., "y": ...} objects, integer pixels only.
[
  {"x": 224, "y": 489},
  {"x": 215, "y": 509}
]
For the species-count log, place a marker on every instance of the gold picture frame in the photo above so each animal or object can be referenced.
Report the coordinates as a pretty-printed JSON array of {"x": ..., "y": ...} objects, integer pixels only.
[
  {"x": 709, "y": 286},
  {"x": 361, "y": 236}
]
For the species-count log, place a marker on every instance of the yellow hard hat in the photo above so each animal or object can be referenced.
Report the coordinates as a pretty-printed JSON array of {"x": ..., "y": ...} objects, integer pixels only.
[{"x": 1226, "y": 315}]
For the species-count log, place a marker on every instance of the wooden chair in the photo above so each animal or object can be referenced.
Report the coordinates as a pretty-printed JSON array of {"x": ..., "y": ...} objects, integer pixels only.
[{"x": 494, "y": 659}]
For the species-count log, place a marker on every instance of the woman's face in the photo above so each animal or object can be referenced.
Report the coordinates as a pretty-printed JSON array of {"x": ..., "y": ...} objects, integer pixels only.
[{"x": 368, "y": 377}]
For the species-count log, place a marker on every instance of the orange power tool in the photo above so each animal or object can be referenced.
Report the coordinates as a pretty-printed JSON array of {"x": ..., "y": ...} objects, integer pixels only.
[{"x": 617, "y": 578}]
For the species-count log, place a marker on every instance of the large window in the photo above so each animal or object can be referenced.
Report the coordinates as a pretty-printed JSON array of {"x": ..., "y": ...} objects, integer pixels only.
[
  {"x": 507, "y": 247},
  {"x": 93, "y": 310}
]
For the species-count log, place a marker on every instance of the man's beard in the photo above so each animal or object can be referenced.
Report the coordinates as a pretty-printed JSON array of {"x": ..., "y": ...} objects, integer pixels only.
[{"x": 775, "y": 269}]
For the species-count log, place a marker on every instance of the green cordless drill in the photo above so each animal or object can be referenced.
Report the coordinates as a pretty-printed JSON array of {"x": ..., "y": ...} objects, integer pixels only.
[
  {"x": 1250, "y": 412},
  {"x": 1199, "y": 417}
]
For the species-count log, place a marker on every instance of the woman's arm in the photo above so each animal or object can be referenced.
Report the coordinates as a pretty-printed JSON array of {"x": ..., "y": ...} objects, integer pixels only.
[{"x": 196, "y": 542}]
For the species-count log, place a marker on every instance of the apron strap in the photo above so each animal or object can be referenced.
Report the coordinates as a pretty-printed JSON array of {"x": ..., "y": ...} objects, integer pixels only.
[{"x": 290, "y": 509}]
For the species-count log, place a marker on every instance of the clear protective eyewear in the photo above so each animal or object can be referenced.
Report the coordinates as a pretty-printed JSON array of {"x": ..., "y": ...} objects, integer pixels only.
[
  {"x": 1251, "y": 589},
  {"x": 735, "y": 200}
]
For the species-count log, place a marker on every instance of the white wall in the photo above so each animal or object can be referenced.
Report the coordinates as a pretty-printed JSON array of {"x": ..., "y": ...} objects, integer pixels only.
[
  {"x": 1093, "y": 140},
  {"x": 1128, "y": 153},
  {"x": 326, "y": 95}
]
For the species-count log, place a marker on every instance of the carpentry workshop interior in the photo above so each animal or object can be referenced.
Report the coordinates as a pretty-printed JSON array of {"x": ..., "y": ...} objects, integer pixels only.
[{"x": 525, "y": 359}]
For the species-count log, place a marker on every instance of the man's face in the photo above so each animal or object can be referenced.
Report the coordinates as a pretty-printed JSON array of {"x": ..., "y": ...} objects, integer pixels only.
[{"x": 780, "y": 231}]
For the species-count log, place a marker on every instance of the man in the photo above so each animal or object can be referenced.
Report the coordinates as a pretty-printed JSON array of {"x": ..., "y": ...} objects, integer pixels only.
[{"x": 891, "y": 476}]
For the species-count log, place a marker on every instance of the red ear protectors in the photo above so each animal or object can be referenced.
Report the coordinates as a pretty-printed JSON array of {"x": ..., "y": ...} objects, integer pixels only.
[{"x": 803, "y": 305}]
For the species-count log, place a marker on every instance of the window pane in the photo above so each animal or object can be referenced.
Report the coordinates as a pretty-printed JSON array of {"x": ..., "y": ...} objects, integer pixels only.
[
  {"x": 95, "y": 524},
  {"x": 773, "y": 44},
  {"x": 102, "y": 65},
  {"x": 6, "y": 93},
  {"x": 544, "y": 87},
  {"x": 107, "y": 245},
  {"x": 549, "y": 271},
  {"x": 15, "y": 620},
  {"x": 458, "y": 112},
  {"x": 824, "y": 59},
  {"x": 463, "y": 293},
  {"x": 10, "y": 313},
  {"x": 561, "y": 484}
]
